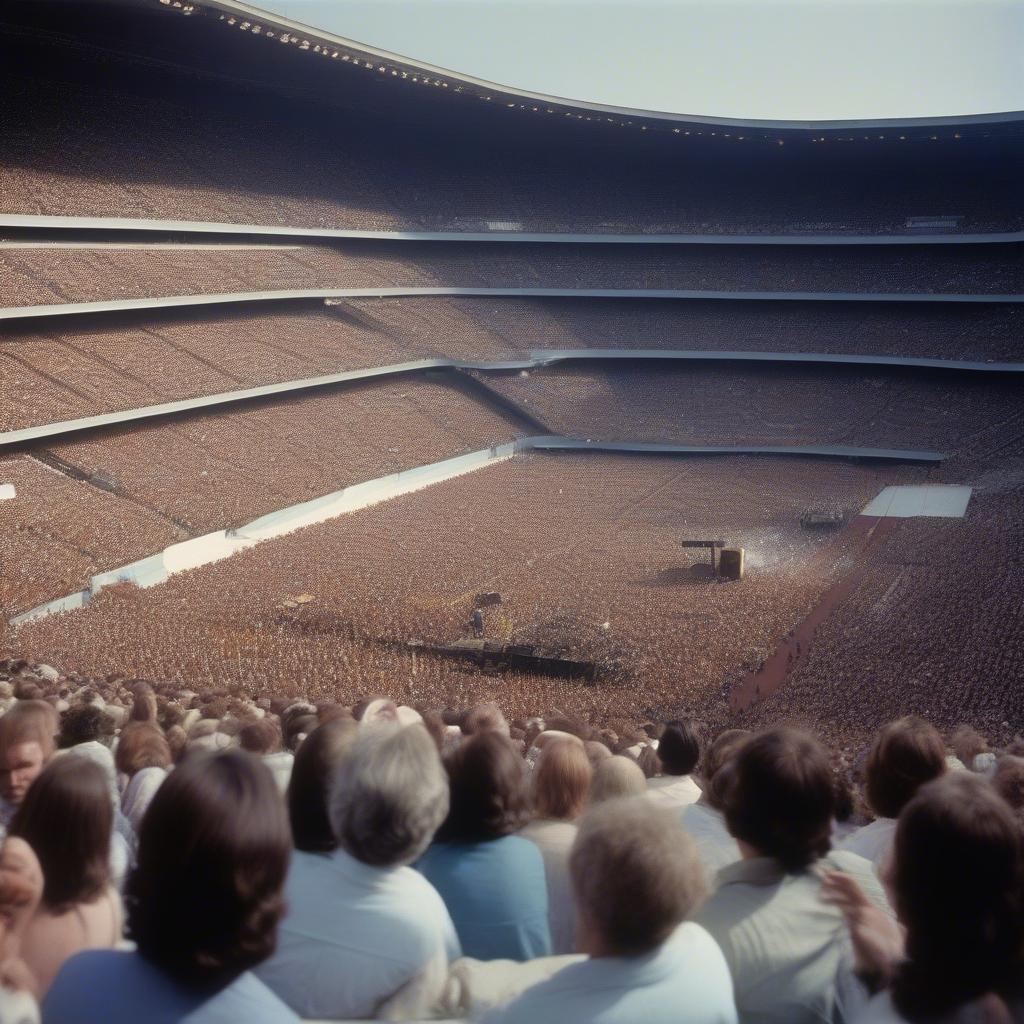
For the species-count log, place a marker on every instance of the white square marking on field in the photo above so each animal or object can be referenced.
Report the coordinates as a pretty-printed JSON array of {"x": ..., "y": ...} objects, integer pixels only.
[
  {"x": 942, "y": 502},
  {"x": 7, "y": 492}
]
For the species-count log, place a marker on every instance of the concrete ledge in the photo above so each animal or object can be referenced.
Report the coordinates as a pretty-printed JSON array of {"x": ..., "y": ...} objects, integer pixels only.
[
  {"x": 537, "y": 358},
  {"x": 47, "y": 222}
]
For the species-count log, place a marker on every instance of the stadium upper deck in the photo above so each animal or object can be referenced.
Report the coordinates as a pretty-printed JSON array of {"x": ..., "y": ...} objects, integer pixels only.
[{"x": 205, "y": 121}]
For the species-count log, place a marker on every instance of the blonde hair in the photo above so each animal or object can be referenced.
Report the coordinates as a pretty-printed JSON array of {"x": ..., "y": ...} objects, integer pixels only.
[
  {"x": 561, "y": 781},
  {"x": 617, "y": 776},
  {"x": 635, "y": 874}
]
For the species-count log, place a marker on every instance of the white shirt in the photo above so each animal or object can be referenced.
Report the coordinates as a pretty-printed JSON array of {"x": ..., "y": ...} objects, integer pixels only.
[
  {"x": 555, "y": 839},
  {"x": 685, "y": 979},
  {"x": 715, "y": 847},
  {"x": 354, "y": 935},
  {"x": 280, "y": 765},
  {"x": 673, "y": 791},
  {"x": 872, "y": 841},
  {"x": 139, "y": 793}
]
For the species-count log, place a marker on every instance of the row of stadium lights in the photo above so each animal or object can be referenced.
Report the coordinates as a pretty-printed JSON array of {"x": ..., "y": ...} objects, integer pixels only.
[{"x": 355, "y": 61}]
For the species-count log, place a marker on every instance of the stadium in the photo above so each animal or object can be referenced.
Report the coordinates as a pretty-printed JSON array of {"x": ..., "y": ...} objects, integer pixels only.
[{"x": 331, "y": 376}]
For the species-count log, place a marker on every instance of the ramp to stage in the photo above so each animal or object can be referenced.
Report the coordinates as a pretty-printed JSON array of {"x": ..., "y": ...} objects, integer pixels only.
[{"x": 937, "y": 501}]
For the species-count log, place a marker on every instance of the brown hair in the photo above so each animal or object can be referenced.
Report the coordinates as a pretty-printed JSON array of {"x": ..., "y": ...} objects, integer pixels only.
[
  {"x": 1008, "y": 781},
  {"x": 781, "y": 798},
  {"x": 487, "y": 782},
  {"x": 679, "y": 747},
  {"x": 718, "y": 757},
  {"x": 142, "y": 745},
  {"x": 30, "y": 721},
  {"x": 904, "y": 755},
  {"x": 958, "y": 877},
  {"x": 316, "y": 765},
  {"x": 635, "y": 874},
  {"x": 67, "y": 818},
  {"x": 144, "y": 706},
  {"x": 205, "y": 899},
  {"x": 482, "y": 718},
  {"x": 260, "y": 737},
  {"x": 561, "y": 781}
]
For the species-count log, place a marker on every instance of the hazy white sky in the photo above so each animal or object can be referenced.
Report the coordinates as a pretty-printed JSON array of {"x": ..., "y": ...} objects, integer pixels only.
[{"x": 793, "y": 60}]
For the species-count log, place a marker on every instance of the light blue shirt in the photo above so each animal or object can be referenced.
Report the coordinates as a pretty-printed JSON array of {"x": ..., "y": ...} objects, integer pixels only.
[
  {"x": 683, "y": 980},
  {"x": 106, "y": 986},
  {"x": 354, "y": 934},
  {"x": 497, "y": 895}
]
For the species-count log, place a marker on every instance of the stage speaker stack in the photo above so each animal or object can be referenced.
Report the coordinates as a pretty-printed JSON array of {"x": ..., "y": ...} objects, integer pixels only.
[{"x": 730, "y": 563}]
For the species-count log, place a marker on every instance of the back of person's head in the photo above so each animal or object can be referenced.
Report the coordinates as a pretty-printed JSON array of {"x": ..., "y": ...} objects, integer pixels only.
[
  {"x": 85, "y": 723},
  {"x": 30, "y": 721},
  {"x": 1008, "y": 781},
  {"x": 262, "y": 736},
  {"x": 67, "y": 819},
  {"x": 177, "y": 741},
  {"x": 142, "y": 745},
  {"x": 958, "y": 881},
  {"x": 487, "y": 781},
  {"x": 781, "y": 798},
  {"x": 617, "y": 776},
  {"x": 316, "y": 763},
  {"x": 596, "y": 752},
  {"x": 484, "y": 718},
  {"x": 205, "y": 899},
  {"x": 389, "y": 796},
  {"x": 967, "y": 743},
  {"x": 904, "y": 755},
  {"x": 297, "y": 728},
  {"x": 561, "y": 781},
  {"x": 649, "y": 762},
  {"x": 719, "y": 755},
  {"x": 636, "y": 875},
  {"x": 144, "y": 705},
  {"x": 679, "y": 748}
]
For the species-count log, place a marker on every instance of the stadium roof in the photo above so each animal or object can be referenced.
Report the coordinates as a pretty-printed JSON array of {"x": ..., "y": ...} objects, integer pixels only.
[{"x": 909, "y": 66}]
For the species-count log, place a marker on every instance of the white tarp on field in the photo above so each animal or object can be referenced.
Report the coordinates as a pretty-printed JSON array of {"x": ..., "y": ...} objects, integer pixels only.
[
  {"x": 7, "y": 492},
  {"x": 943, "y": 502}
]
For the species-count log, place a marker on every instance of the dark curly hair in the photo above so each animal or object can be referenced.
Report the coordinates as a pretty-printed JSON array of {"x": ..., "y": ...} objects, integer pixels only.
[
  {"x": 205, "y": 899},
  {"x": 487, "y": 780},
  {"x": 781, "y": 797}
]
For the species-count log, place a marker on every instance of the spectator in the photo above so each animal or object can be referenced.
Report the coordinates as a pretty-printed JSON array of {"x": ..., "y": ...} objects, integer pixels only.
[
  {"x": 143, "y": 758},
  {"x": 316, "y": 764},
  {"x": 27, "y": 743},
  {"x": 636, "y": 879},
  {"x": 561, "y": 783},
  {"x": 484, "y": 718},
  {"x": 263, "y": 738},
  {"x": 615, "y": 777},
  {"x": 362, "y": 927},
  {"x": 904, "y": 755},
  {"x": 596, "y": 752},
  {"x": 203, "y": 906},
  {"x": 21, "y": 889},
  {"x": 491, "y": 880},
  {"x": 704, "y": 821},
  {"x": 678, "y": 752},
  {"x": 1009, "y": 783},
  {"x": 955, "y": 874},
  {"x": 783, "y": 944},
  {"x": 67, "y": 820}
]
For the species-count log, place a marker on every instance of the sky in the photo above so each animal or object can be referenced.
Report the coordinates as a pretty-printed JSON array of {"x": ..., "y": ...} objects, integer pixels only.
[{"x": 747, "y": 59}]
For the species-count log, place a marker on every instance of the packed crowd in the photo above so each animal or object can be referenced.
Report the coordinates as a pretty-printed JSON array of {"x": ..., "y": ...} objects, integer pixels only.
[
  {"x": 586, "y": 560},
  {"x": 260, "y": 154},
  {"x": 174, "y": 855},
  {"x": 140, "y": 489},
  {"x": 762, "y": 405},
  {"x": 54, "y": 275}
]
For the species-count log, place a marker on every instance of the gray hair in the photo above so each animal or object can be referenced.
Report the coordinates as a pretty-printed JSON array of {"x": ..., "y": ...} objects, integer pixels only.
[{"x": 389, "y": 796}]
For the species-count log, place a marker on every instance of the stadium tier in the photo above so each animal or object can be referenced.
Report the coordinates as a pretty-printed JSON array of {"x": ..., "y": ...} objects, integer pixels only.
[{"x": 206, "y": 122}]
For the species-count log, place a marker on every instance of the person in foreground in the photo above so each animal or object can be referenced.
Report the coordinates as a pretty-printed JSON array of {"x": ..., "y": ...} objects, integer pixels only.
[
  {"x": 786, "y": 947},
  {"x": 955, "y": 877},
  {"x": 636, "y": 878},
  {"x": 203, "y": 906},
  {"x": 362, "y": 927},
  {"x": 492, "y": 881}
]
